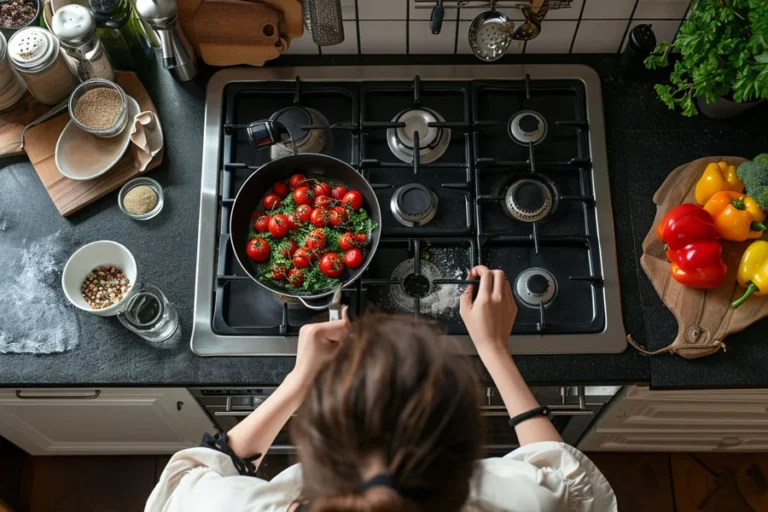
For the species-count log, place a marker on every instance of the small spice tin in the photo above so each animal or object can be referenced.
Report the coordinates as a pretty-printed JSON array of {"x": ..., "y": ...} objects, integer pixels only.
[
  {"x": 11, "y": 86},
  {"x": 149, "y": 182},
  {"x": 34, "y": 53}
]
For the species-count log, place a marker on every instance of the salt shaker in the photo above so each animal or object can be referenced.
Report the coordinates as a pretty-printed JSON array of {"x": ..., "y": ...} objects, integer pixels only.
[
  {"x": 35, "y": 53},
  {"x": 75, "y": 27},
  {"x": 11, "y": 86}
]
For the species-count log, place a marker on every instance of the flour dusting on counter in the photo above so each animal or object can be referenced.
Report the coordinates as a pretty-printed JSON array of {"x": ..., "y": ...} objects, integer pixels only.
[{"x": 36, "y": 318}]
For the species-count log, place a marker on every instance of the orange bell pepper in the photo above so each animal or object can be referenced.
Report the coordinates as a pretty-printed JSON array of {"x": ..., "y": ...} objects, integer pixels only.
[
  {"x": 737, "y": 216},
  {"x": 716, "y": 177}
]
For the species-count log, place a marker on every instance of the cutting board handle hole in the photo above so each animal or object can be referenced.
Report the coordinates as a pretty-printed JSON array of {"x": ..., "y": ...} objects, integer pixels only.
[{"x": 269, "y": 30}]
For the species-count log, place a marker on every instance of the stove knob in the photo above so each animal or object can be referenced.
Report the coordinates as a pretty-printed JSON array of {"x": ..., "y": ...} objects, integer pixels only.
[
  {"x": 529, "y": 124},
  {"x": 537, "y": 285}
]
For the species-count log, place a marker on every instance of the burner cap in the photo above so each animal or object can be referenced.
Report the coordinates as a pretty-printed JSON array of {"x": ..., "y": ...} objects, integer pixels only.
[
  {"x": 413, "y": 205},
  {"x": 294, "y": 118},
  {"x": 413, "y": 285},
  {"x": 535, "y": 286},
  {"x": 528, "y": 200},
  {"x": 527, "y": 127},
  {"x": 433, "y": 142},
  {"x": 417, "y": 285}
]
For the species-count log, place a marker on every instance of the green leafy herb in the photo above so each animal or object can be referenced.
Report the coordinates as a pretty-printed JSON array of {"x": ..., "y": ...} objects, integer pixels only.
[
  {"x": 316, "y": 281},
  {"x": 723, "y": 47}
]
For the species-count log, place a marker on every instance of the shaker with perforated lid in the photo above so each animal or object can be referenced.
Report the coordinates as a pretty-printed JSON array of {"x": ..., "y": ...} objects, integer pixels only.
[
  {"x": 11, "y": 86},
  {"x": 75, "y": 27},
  {"x": 34, "y": 52}
]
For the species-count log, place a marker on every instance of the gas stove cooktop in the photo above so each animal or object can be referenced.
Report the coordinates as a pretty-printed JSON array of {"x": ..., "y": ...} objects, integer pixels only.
[{"x": 510, "y": 172}]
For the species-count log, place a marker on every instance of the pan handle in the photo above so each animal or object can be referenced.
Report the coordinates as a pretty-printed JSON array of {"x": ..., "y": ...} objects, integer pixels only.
[{"x": 333, "y": 305}]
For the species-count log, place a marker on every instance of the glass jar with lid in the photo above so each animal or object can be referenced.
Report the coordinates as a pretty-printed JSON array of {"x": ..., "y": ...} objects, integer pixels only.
[
  {"x": 11, "y": 86},
  {"x": 35, "y": 53},
  {"x": 75, "y": 27},
  {"x": 122, "y": 34}
]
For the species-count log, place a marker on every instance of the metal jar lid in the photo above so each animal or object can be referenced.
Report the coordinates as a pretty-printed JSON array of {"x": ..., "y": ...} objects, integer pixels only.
[
  {"x": 33, "y": 49},
  {"x": 74, "y": 25}
]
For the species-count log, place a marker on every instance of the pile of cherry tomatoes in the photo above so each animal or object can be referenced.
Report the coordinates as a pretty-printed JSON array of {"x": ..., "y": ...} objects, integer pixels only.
[{"x": 318, "y": 205}]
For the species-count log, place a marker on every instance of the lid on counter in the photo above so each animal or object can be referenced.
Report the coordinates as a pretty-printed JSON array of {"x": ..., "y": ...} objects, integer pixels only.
[
  {"x": 74, "y": 25},
  {"x": 32, "y": 49}
]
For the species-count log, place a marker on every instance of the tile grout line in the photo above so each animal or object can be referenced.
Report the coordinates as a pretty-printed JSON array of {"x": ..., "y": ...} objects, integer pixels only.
[
  {"x": 357, "y": 24},
  {"x": 629, "y": 24},
  {"x": 578, "y": 24},
  {"x": 456, "y": 37},
  {"x": 687, "y": 10},
  {"x": 408, "y": 27}
]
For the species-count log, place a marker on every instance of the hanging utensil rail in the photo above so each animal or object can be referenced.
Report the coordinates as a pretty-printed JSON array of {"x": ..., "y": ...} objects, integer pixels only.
[{"x": 499, "y": 4}]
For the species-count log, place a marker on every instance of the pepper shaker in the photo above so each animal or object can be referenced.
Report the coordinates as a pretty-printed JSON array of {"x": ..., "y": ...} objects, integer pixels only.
[
  {"x": 640, "y": 43},
  {"x": 11, "y": 86},
  {"x": 75, "y": 27},
  {"x": 178, "y": 54}
]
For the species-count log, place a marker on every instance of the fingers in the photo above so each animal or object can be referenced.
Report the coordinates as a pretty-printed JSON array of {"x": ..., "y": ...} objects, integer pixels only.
[
  {"x": 499, "y": 283},
  {"x": 486, "y": 282},
  {"x": 465, "y": 302}
]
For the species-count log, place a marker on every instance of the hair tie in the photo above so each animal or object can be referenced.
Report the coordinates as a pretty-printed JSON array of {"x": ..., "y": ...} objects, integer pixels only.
[{"x": 381, "y": 481}]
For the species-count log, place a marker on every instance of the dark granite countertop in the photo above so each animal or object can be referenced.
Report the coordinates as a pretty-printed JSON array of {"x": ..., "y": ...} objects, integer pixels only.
[{"x": 645, "y": 142}]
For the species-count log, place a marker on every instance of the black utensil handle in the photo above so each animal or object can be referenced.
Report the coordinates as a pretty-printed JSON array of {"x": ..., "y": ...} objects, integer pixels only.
[{"x": 436, "y": 20}]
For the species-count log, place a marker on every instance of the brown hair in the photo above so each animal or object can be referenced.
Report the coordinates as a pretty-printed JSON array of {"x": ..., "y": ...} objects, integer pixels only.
[{"x": 398, "y": 401}]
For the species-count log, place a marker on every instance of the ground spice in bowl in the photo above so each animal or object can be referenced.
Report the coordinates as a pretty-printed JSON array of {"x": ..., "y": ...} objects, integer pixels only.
[
  {"x": 140, "y": 200},
  {"x": 16, "y": 13},
  {"x": 99, "y": 108}
]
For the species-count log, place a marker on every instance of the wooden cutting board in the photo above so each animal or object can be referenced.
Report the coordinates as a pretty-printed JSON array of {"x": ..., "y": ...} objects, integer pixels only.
[
  {"x": 236, "y": 22},
  {"x": 13, "y": 121},
  {"x": 705, "y": 317},
  {"x": 69, "y": 195}
]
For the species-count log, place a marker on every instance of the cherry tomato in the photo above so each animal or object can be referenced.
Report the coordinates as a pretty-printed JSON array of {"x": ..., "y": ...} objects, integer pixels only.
[
  {"x": 322, "y": 189},
  {"x": 262, "y": 224},
  {"x": 302, "y": 258},
  {"x": 296, "y": 180},
  {"x": 324, "y": 202},
  {"x": 288, "y": 251},
  {"x": 278, "y": 225},
  {"x": 319, "y": 218},
  {"x": 353, "y": 199},
  {"x": 279, "y": 272},
  {"x": 347, "y": 241},
  {"x": 293, "y": 221},
  {"x": 258, "y": 249},
  {"x": 295, "y": 277},
  {"x": 271, "y": 201},
  {"x": 303, "y": 212},
  {"x": 353, "y": 258},
  {"x": 281, "y": 189},
  {"x": 331, "y": 265},
  {"x": 315, "y": 241},
  {"x": 338, "y": 216},
  {"x": 361, "y": 238},
  {"x": 303, "y": 195},
  {"x": 338, "y": 192}
]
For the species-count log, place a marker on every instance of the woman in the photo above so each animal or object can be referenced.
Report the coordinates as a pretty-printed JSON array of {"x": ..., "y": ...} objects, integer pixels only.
[{"x": 388, "y": 420}]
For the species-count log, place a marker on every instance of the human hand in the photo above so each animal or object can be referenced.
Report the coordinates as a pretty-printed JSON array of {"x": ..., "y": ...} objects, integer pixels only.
[
  {"x": 490, "y": 316},
  {"x": 318, "y": 344}
]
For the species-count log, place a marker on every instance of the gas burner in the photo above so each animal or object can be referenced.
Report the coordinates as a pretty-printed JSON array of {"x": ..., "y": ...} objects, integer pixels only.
[
  {"x": 433, "y": 142},
  {"x": 529, "y": 200},
  {"x": 307, "y": 141},
  {"x": 527, "y": 127},
  {"x": 535, "y": 286},
  {"x": 413, "y": 205},
  {"x": 413, "y": 285}
]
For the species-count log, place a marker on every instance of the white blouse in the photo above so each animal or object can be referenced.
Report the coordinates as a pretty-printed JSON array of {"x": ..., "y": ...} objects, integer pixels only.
[{"x": 539, "y": 477}]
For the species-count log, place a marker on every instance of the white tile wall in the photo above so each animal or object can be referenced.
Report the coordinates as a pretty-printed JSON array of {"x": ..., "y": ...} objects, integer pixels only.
[
  {"x": 471, "y": 13},
  {"x": 348, "y": 11},
  {"x": 425, "y": 14},
  {"x": 571, "y": 13},
  {"x": 422, "y": 40},
  {"x": 661, "y": 9},
  {"x": 383, "y": 36},
  {"x": 349, "y": 45},
  {"x": 382, "y": 9},
  {"x": 303, "y": 45},
  {"x": 599, "y": 36},
  {"x": 608, "y": 9},
  {"x": 555, "y": 37}
]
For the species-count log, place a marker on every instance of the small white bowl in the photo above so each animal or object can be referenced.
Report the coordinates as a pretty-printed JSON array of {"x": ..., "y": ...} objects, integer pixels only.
[
  {"x": 83, "y": 156},
  {"x": 89, "y": 257}
]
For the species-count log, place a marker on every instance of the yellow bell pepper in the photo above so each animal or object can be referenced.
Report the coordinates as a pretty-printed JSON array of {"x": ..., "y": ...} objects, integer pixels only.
[
  {"x": 737, "y": 216},
  {"x": 753, "y": 271},
  {"x": 716, "y": 177}
]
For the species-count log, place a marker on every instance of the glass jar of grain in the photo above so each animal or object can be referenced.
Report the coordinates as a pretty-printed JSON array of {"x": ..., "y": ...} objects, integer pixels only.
[
  {"x": 34, "y": 52},
  {"x": 11, "y": 86},
  {"x": 75, "y": 27}
]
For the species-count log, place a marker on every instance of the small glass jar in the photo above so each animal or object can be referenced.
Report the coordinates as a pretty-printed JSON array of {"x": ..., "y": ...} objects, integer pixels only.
[
  {"x": 75, "y": 27},
  {"x": 35, "y": 53},
  {"x": 122, "y": 34},
  {"x": 11, "y": 86}
]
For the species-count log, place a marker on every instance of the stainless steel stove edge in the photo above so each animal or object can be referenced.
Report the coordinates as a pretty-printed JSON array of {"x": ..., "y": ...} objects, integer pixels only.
[{"x": 205, "y": 342}]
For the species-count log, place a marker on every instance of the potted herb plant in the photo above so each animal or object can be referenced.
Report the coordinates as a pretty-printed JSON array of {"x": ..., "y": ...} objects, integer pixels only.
[{"x": 723, "y": 64}]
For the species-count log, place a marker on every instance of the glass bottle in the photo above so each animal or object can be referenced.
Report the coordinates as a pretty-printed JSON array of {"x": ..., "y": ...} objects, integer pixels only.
[{"x": 122, "y": 34}]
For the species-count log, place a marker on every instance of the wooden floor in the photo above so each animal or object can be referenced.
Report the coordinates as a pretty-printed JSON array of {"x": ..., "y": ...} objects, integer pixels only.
[{"x": 655, "y": 482}]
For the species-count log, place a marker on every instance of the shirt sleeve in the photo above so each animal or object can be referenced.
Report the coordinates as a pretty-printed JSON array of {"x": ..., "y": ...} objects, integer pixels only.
[{"x": 542, "y": 477}]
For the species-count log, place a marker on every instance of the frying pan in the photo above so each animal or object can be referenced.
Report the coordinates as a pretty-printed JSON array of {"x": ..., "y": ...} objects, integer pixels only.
[{"x": 314, "y": 166}]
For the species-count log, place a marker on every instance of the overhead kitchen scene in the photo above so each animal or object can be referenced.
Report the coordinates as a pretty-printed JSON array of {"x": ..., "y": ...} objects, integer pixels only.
[{"x": 186, "y": 184}]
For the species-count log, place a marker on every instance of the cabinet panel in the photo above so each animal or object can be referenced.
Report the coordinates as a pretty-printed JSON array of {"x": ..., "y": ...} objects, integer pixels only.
[
  {"x": 108, "y": 421},
  {"x": 654, "y": 442}
]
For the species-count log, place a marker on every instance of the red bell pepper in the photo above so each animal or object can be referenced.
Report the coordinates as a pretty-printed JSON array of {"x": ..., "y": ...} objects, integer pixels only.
[{"x": 693, "y": 246}]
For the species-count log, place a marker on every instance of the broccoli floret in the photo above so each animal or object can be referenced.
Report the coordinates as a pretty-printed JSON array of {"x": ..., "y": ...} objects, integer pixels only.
[{"x": 754, "y": 174}]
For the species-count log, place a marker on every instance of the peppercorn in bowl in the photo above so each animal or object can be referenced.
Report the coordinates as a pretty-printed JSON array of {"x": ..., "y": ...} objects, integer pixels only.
[
  {"x": 99, "y": 277},
  {"x": 141, "y": 198}
]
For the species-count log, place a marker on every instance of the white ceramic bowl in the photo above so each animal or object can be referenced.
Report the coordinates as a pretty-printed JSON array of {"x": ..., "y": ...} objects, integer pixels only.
[{"x": 89, "y": 257}]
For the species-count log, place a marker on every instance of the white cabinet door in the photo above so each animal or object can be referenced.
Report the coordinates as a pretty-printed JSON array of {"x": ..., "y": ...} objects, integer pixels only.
[{"x": 102, "y": 421}]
